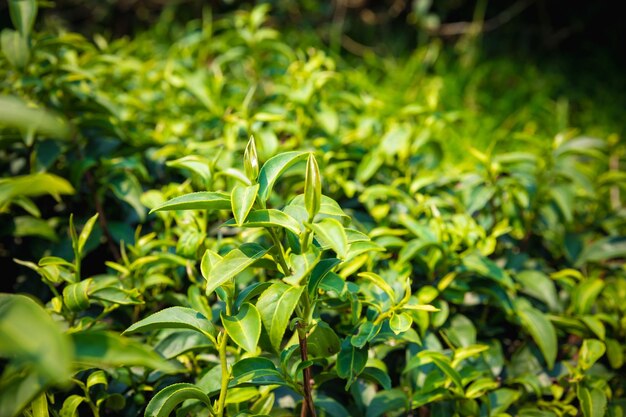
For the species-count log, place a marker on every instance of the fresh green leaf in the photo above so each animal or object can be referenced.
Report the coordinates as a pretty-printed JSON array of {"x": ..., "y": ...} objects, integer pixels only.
[
  {"x": 274, "y": 168},
  {"x": 175, "y": 318},
  {"x": 242, "y": 199},
  {"x": 204, "y": 200},
  {"x": 541, "y": 330},
  {"x": 244, "y": 327},
  {"x": 235, "y": 262},
  {"x": 276, "y": 306},
  {"x": 166, "y": 400}
]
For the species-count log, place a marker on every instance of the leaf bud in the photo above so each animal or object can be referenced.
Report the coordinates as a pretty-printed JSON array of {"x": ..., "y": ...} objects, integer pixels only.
[
  {"x": 312, "y": 187},
  {"x": 251, "y": 161}
]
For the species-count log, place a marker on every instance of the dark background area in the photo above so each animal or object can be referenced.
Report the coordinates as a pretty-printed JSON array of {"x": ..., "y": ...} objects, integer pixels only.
[{"x": 542, "y": 28}]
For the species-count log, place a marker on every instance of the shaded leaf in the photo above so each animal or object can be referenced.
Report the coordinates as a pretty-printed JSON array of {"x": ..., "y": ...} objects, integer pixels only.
[{"x": 166, "y": 400}]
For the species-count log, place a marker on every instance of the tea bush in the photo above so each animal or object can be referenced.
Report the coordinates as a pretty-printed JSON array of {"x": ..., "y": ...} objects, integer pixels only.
[{"x": 243, "y": 224}]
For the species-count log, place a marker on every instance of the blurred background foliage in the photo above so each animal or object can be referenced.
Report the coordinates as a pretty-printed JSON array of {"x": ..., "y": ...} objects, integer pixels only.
[{"x": 479, "y": 143}]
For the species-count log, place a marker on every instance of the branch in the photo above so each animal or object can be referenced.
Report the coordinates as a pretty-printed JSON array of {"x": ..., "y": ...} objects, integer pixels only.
[{"x": 461, "y": 28}]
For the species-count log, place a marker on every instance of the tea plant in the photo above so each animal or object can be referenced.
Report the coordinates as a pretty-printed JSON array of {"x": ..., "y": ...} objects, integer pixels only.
[{"x": 360, "y": 255}]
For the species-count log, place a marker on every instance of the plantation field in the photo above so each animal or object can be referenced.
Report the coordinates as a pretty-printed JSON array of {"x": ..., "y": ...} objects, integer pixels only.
[{"x": 229, "y": 216}]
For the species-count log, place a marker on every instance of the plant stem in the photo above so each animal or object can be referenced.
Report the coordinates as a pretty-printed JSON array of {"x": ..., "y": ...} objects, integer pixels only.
[
  {"x": 306, "y": 372},
  {"x": 307, "y": 405},
  {"x": 221, "y": 402},
  {"x": 279, "y": 249}
]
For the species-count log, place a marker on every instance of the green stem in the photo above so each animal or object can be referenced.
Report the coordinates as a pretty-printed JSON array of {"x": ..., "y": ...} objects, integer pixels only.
[
  {"x": 221, "y": 402},
  {"x": 308, "y": 407},
  {"x": 280, "y": 251}
]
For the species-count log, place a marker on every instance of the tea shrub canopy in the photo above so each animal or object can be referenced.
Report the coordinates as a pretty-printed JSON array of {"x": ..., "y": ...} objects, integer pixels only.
[{"x": 222, "y": 218}]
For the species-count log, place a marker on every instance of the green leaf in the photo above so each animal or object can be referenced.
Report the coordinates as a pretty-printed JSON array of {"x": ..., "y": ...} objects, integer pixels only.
[
  {"x": 328, "y": 208},
  {"x": 488, "y": 269},
  {"x": 76, "y": 296},
  {"x": 241, "y": 200},
  {"x": 204, "y": 200},
  {"x": 166, "y": 400},
  {"x": 400, "y": 322},
  {"x": 30, "y": 337},
  {"x": 33, "y": 185},
  {"x": 603, "y": 249},
  {"x": 385, "y": 401},
  {"x": 18, "y": 388},
  {"x": 276, "y": 306},
  {"x": 366, "y": 332},
  {"x": 380, "y": 283},
  {"x": 23, "y": 14},
  {"x": 421, "y": 398},
  {"x": 319, "y": 271},
  {"x": 126, "y": 187},
  {"x": 541, "y": 330},
  {"x": 179, "y": 342},
  {"x": 70, "y": 406},
  {"x": 443, "y": 363},
  {"x": 538, "y": 285},
  {"x": 332, "y": 407},
  {"x": 97, "y": 378},
  {"x": 332, "y": 233},
  {"x": 350, "y": 362},
  {"x": 480, "y": 387},
  {"x": 97, "y": 349},
  {"x": 40, "y": 406},
  {"x": 269, "y": 218},
  {"x": 235, "y": 262},
  {"x": 31, "y": 226},
  {"x": 15, "y": 48},
  {"x": 255, "y": 372},
  {"x": 198, "y": 165},
  {"x": 274, "y": 168},
  {"x": 377, "y": 375},
  {"x": 590, "y": 351},
  {"x": 245, "y": 327},
  {"x": 17, "y": 114},
  {"x": 592, "y": 401},
  {"x": 585, "y": 294},
  {"x": 614, "y": 353},
  {"x": 301, "y": 265},
  {"x": 175, "y": 318},
  {"x": 322, "y": 341}
]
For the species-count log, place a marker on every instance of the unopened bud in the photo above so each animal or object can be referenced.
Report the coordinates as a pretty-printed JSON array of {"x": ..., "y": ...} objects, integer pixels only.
[
  {"x": 312, "y": 187},
  {"x": 251, "y": 161}
]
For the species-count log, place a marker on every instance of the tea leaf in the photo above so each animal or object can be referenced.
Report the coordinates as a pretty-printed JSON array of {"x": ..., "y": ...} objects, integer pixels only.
[
  {"x": 166, "y": 400},
  {"x": 592, "y": 401},
  {"x": 175, "y": 318},
  {"x": 274, "y": 168},
  {"x": 269, "y": 218},
  {"x": 106, "y": 349},
  {"x": 541, "y": 330},
  {"x": 241, "y": 200},
  {"x": 235, "y": 262},
  {"x": 204, "y": 200},
  {"x": 332, "y": 233},
  {"x": 350, "y": 362},
  {"x": 276, "y": 305},
  {"x": 245, "y": 327}
]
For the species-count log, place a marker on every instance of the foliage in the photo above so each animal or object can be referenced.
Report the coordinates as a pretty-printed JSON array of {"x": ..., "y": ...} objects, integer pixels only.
[{"x": 378, "y": 246}]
